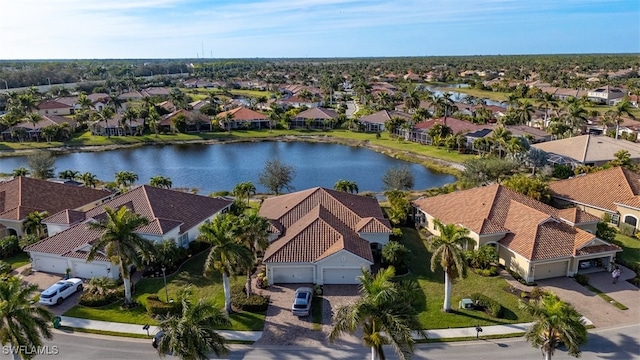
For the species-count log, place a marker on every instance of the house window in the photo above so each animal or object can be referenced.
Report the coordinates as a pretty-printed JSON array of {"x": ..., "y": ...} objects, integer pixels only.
[
  {"x": 615, "y": 219},
  {"x": 183, "y": 240}
]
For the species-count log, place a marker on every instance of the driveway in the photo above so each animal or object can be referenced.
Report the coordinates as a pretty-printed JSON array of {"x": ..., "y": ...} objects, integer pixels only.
[
  {"x": 282, "y": 328},
  {"x": 44, "y": 280},
  {"x": 593, "y": 307}
]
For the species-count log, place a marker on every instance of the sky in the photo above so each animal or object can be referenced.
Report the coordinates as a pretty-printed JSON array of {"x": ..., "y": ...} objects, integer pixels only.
[{"x": 150, "y": 29}]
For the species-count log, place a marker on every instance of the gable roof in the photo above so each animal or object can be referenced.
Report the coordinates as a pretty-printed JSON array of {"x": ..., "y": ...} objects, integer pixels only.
[
  {"x": 602, "y": 189},
  {"x": 53, "y": 104},
  {"x": 317, "y": 113},
  {"x": 534, "y": 230},
  {"x": 456, "y": 125},
  {"x": 382, "y": 116},
  {"x": 319, "y": 222},
  {"x": 242, "y": 114},
  {"x": 165, "y": 209},
  {"x": 23, "y": 195},
  {"x": 590, "y": 148}
]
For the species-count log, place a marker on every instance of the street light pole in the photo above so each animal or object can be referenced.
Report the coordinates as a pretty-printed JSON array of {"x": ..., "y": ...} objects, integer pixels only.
[{"x": 164, "y": 275}]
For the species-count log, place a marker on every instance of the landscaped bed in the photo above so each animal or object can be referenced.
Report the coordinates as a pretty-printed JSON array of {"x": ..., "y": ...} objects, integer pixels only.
[{"x": 189, "y": 273}]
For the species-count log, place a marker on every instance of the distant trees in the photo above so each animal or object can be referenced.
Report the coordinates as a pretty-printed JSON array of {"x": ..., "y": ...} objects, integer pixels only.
[
  {"x": 398, "y": 178},
  {"x": 346, "y": 186},
  {"x": 244, "y": 190},
  {"x": 41, "y": 165},
  {"x": 532, "y": 187},
  {"x": 161, "y": 182},
  {"x": 276, "y": 176},
  {"x": 126, "y": 178}
]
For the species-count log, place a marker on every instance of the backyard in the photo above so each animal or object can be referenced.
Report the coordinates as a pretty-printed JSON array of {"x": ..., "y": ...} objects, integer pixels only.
[{"x": 189, "y": 273}]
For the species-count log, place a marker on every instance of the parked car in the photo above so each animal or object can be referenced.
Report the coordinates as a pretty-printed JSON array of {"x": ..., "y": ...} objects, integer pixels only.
[
  {"x": 302, "y": 301},
  {"x": 59, "y": 291},
  {"x": 585, "y": 264}
]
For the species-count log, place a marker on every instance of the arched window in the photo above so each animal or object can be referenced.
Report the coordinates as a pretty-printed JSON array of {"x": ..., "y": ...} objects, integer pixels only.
[{"x": 631, "y": 220}]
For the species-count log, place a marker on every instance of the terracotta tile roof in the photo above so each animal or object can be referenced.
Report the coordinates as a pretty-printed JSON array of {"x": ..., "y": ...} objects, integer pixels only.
[
  {"x": 45, "y": 120},
  {"x": 22, "y": 195},
  {"x": 317, "y": 113},
  {"x": 456, "y": 125},
  {"x": 66, "y": 216},
  {"x": 243, "y": 114},
  {"x": 382, "y": 116},
  {"x": 596, "y": 249},
  {"x": 602, "y": 189},
  {"x": 53, "y": 104},
  {"x": 319, "y": 222},
  {"x": 535, "y": 230},
  {"x": 165, "y": 209}
]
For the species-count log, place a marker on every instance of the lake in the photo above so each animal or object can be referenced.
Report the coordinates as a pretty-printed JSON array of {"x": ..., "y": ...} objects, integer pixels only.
[{"x": 221, "y": 166}]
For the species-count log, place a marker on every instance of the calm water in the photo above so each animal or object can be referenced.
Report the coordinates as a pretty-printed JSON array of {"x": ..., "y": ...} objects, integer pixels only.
[{"x": 220, "y": 167}]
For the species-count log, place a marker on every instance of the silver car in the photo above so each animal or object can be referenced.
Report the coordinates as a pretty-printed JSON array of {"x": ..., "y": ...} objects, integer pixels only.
[{"x": 302, "y": 301}]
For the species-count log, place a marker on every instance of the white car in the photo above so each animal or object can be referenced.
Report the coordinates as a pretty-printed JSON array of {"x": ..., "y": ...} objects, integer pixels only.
[
  {"x": 302, "y": 302},
  {"x": 59, "y": 291}
]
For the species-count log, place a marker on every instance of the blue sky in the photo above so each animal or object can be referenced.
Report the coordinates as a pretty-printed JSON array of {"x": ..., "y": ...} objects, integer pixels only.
[{"x": 69, "y": 29}]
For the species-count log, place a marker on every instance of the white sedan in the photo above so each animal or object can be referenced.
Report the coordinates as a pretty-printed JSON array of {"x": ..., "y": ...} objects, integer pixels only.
[{"x": 59, "y": 291}]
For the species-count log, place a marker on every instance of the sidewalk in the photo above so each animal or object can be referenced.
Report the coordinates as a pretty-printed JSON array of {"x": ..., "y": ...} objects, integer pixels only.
[{"x": 137, "y": 329}]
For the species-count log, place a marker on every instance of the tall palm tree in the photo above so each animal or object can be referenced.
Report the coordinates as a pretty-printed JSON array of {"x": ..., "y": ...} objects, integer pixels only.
[
  {"x": 89, "y": 179},
  {"x": 447, "y": 249},
  {"x": 104, "y": 115},
  {"x": 555, "y": 323},
  {"x": 226, "y": 254},
  {"x": 500, "y": 138},
  {"x": 524, "y": 111},
  {"x": 129, "y": 115},
  {"x": 121, "y": 244},
  {"x": 154, "y": 121},
  {"x": 192, "y": 334},
  {"x": 161, "y": 182},
  {"x": 114, "y": 102},
  {"x": 253, "y": 232},
  {"x": 575, "y": 116},
  {"x": 33, "y": 223},
  {"x": 126, "y": 178},
  {"x": 21, "y": 171},
  {"x": 244, "y": 190},
  {"x": 346, "y": 186},
  {"x": 547, "y": 102},
  {"x": 383, "y": 313},
  {"x": 69, "y": 174},
  {"x": 622, "y": 108},
  {"x": 23, "y": 324}
]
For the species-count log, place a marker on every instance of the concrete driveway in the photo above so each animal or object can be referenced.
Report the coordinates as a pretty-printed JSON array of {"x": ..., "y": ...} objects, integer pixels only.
[
  {"x": 44, "y": 280},
  {"x": 592, "y": 306},
  {"x": 282, "y": 328}
]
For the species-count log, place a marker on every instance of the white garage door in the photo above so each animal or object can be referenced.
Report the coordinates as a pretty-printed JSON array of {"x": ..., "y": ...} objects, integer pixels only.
[
  {"x": 341, "y": 276},
  {"x": 89, "y": 270},
  {"x": 551, "y": 270},
  {"x": 291, "y": 275},
  {"x": 49, "y": 264}
]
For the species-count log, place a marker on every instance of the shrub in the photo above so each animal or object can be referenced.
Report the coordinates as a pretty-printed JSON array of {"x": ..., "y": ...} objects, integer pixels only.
[
  {"x": 581, "y": 279},
  {"x": 627, "y": 229},
  {"x": 490, "y": 306},
  {"x": 96, "y": 300},
  {"x": 252, "y": 303},
  {"x": 537, "y": 292},
  {"x": 606, "y": 232},
  {"x": 156, "y": 307},
  {"x": 9, "y": 246},
  {"x": 5, "y": 268},
  {"x": 562, "y": 171},
  {"x": 196, "y": 247},
  {"x": 491, "y": 271}
]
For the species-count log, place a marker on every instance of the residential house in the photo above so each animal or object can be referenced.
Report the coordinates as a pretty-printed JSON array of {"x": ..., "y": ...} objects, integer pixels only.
[
  {"x": 533, "y": 239},
  {"x": 117, "y": 126},
  {"x": 194, "y": 121},
  {"x": 54, "y": 107},
  {"x": 243, "y": 118},
  {"x": 588, "y": 149},
  {"x": 605, "y": 94},
  {"x": 420, "y": 131},
  {"x": 171, "y": 214},
  {"x": 322, "y": 236},
  {"x": 198, "y": 83},
  {"x": 98, "y": 100},
  {"x": 375, "y": 122},
  {"x": 34, "y": 132},
  {"x": 564, "y": 93},
  {"x": 23, "y": 195},
  {"x": 296, "y": 101},
  {"x": 615, "y": 192},
  {"x": 318, "y": 118}
]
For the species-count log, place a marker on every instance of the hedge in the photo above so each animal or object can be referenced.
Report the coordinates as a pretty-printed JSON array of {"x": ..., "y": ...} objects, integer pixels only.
[
  {"x": 156, "y": 307},
  {"x": 253, "y": 303},
  {"x": 490, "y": 306},
  {"x": 92, "y": 300}
]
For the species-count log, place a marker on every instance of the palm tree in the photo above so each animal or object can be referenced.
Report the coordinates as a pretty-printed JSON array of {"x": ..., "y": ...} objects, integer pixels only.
[
  {"x": 575, "y": 116},
  {"x": 121, "y": 244},
  {"x": 154, "y": 121},
  {"x": 547, "y": 102},
  {"x": 126, "y": 178},
  {"x": 114, "y": 102},
  {"x": 622, "y": 108},
  {"x": 447, "y": 251},
  {"x": 555, "y": 323},
  {"x": 21, "y": 171},
  {"x": 500, "y": 138},
  {"x": 23, "y": 323},
  {"x": 161, "y": 182},
  {"x": 253, "y": 232},
  {"x": 346, "y": 186},
  {"x": 244, "y": 190},
  {"x": 226, "y": 254},
  {"x": 129, "y": 115},
  {"x": 524, "y": 111},
  {"x": 89, "y": 179},
  {"x": 192, "y": 334},
  {"x": 69, "y": 174},
  {"x": 104, "y": 115},
  {"x": 383, "y": 313},
  {"x": 33, "y": 223}
]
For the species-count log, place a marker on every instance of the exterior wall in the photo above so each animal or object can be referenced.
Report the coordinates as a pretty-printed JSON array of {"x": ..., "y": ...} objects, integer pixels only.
[
  {"x": 486, "y": 239},
  {"x": 380, "y": 238},
  {"x": 60, "y": 111},
  {"x": 53, "y": 229},
  {"x": 624, "y": 211},
  {"x": 64, "y": 263},
  {"x": 340, "y": 260},
  {"x": 15, "y": 225},
  {"x": 590, "y": 227},
  {"x": 271, "y": 266},
  {"x": 514, "y": 262}
]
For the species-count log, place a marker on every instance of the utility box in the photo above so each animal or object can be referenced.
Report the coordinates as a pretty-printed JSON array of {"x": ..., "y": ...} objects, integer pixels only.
[{"x": 465, "y": 304}]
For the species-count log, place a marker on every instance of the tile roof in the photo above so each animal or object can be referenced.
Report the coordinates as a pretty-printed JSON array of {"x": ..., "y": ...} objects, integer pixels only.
[
  {"x": 602, "y": 189},
  {"x": 45, "y": 120},
  {"x": 165, "y": 209},
  {"x": 534, "y": 230},
  {"x": 319, "y": 222},
  {"x": 317, "y": 113},
  {"x": 456, "y": 125},
  {"x": 590, "y": 148},
  {"x": 53, "y": 104},
  {"x": 66, "y": 216},
  {"x": 243, "y": 114},
  {"x": 23, "y": 195},
  {"x": 382, "y": 116}
]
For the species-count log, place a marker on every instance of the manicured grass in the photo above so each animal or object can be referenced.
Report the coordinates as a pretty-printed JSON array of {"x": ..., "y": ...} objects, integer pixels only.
[
  {"x": 432, "y": 283},
  {"x": 18, "y": 260},
  {"x": 631, "y": 249},
  {"x": 190, "y": 273},
  {"x": 69, "y": 329}
]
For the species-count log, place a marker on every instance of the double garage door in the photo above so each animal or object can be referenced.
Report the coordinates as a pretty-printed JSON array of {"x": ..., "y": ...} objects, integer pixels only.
[
  {"x": 89, "y": 270},
  {"x": 551, "y": 270},
  {"x": 292, "y": 275},
  {"x": 50, "y": 264},
  {"x": 341, "y": 276}
]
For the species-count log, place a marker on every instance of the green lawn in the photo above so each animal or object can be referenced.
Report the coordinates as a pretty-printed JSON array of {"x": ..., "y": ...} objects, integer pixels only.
[
  {"x": 432, "y": 284},
  {"x": 18, "y": 260},
  {"x": 631, "y": 252},
  {"x": 190, "y": 273}
]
